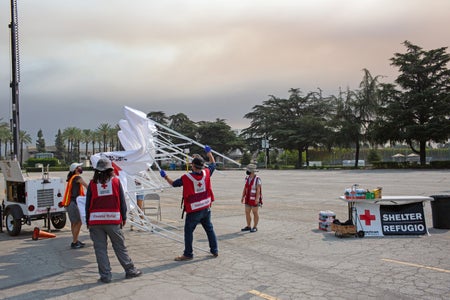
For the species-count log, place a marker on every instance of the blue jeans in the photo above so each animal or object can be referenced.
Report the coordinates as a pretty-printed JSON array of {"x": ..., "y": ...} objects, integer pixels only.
[{"x": 192, "y": 219}]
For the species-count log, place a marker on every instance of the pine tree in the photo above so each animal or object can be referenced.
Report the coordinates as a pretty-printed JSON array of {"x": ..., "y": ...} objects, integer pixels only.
[
  {"x": 40, "y": 143},
  {"x": 60, "y": 147}
]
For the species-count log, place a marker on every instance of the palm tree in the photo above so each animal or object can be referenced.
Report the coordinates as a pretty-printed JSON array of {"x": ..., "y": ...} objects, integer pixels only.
[
  {"x": 95, "y": 138},
  {"x": 69, "y": 135},
  {"x": 115, "y": 138},
  {"x": 78, "y": 136},
  {"x": 24, "y": 138},
  {"x": 5, "y": 136},
  {"x": 104, "y": 130},
  {"x": 87, "y": 138}
]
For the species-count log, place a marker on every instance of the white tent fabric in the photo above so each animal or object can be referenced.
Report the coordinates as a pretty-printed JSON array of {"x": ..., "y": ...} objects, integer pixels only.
[{"x": 146, "y": 143}]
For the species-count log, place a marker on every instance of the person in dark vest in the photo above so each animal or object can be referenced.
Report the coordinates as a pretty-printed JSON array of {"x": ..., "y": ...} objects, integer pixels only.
[
  {"x": 106, "y": 214},
  {"x": 197, "y": 197},
  {"x": 252, "y": 198}
]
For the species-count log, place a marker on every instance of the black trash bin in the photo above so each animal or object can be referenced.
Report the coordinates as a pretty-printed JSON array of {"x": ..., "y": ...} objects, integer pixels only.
[{"x": 440, "y": 209}]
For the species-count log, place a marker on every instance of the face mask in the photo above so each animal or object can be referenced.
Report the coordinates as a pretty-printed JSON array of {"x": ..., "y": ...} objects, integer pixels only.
[
  {"x": 247, "y": 172},
  {"x": 80, "y": 170}
]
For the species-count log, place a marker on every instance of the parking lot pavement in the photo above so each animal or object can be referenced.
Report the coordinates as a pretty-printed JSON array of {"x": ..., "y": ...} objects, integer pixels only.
[{"x": 288, "y": 258}]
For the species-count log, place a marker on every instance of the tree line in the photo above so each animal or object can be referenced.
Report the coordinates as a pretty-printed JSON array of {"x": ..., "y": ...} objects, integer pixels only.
[{"x": 414, "y": 110}]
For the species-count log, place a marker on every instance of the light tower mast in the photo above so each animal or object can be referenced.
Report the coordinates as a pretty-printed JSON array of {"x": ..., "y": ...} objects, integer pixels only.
[{"x": 15, "y": 62}]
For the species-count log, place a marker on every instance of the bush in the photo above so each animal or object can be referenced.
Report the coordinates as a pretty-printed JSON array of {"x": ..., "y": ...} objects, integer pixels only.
[
  {"x": 390, "y": 165},
  {"x": 52, "y": 162},
  {"x": 246, "y": 158},
  {"x": 373, "y": 156},
  {"x": 443, "y": 164},
  {"x": 411, "y": 165}
]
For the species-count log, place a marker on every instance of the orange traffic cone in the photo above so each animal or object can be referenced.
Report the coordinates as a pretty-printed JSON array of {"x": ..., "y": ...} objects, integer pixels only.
[{"x": 37, "y": 234}]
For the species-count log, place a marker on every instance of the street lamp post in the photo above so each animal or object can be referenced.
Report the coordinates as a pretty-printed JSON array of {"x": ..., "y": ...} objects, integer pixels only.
[{"x": 265, "y": 146}]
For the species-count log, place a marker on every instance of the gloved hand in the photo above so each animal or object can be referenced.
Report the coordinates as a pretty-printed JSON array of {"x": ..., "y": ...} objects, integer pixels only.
[
  {"x": 207, "y": 149},
  {"x": 162, "y": 173}
]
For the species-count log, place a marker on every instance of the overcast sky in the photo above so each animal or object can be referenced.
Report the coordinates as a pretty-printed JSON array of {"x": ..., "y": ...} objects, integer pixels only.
[{"x": 83, "y": 60}]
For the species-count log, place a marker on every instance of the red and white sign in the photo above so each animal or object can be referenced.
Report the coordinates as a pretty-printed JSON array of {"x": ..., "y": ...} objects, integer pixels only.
[
  {"x": 379, "y": 220},
  {"x": 368, "y": 218}
]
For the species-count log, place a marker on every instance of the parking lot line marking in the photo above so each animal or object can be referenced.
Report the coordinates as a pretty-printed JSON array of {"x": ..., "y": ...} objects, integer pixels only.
[
  {"x": 416, "y": 265},
  {"x": 262, "y": 295}
]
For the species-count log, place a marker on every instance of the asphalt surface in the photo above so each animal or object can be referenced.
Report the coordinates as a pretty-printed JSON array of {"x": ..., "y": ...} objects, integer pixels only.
[{"x": 288, "y": 258}]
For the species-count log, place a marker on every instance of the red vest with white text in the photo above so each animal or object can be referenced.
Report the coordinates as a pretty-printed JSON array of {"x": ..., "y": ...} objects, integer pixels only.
[
  {"x": 105, "y": 203},
  {"x": 197, "y": 192},
  {"x": 250, "y": 191}
]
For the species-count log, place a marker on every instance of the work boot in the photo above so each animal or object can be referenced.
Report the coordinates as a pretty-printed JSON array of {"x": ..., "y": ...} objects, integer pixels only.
[{"x": 133, "y": 273}]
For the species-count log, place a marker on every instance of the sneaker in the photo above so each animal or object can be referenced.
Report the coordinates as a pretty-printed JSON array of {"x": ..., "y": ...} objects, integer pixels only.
[
  {"x": 81, "y": 243},
  {"x": 133, "y": 273},
  {"x": 183, "y": 258},
  {"x": 76, "y": 245},
  {"x": 254, "y": 229},
  {"x": 105, "y": 280},
  {"x": 215, "y": 255},
  {"x": 246, "y": 228}
]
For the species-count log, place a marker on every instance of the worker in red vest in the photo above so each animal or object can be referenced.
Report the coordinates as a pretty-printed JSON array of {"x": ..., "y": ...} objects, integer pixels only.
[
  {"x": 106, "y": 214},
  {"x": 252, "y": 198},
  {"x": 197, "y": 199}
]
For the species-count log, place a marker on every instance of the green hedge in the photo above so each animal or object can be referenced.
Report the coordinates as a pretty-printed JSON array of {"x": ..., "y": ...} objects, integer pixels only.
[
  {"x": 54, "y": 169},
  {"x": 411, "y": 165},
  {"x": 52, "y": 162},
  {"x": 443, "y": 164}
]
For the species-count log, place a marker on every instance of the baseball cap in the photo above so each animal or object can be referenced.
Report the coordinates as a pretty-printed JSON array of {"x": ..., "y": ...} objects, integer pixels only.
[{"x": 74, "y": 166}]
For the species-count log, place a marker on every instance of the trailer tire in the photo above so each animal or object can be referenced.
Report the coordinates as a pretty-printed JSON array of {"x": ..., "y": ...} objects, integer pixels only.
[
  {"x": 13, "y": 225},
  {"x": 59, "y": 221}
]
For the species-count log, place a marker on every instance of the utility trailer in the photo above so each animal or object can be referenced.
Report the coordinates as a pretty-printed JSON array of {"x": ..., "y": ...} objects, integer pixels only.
[{"x": 27, "y": 200}]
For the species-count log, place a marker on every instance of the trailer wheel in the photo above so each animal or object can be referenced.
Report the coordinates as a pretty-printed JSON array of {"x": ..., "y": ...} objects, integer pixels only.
[
  {"x": 59, "y": 221},
  {"x": 13, "y": 226},
  {"x": 360, "y": 234}
]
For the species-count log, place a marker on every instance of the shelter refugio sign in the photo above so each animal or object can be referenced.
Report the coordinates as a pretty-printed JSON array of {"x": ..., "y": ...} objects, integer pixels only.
[
  {"x": 403, "y": 219},
  {"x": 380, "y": 220}
]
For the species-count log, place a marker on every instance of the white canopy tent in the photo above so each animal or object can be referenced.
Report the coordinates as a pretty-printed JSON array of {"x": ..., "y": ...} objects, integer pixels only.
[
  {"x": 398, "y": 157},
  {"x": 413, "y": 157}
]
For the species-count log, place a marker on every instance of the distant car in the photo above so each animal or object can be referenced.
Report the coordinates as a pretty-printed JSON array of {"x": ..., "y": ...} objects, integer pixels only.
[{"x": 351, "y": 163}]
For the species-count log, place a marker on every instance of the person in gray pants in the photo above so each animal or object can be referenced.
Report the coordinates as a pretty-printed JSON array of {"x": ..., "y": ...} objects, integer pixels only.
[{"x": 106, "y": 214}]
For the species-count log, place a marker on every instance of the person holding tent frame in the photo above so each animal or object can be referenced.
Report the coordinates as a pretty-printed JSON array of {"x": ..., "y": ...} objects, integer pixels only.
[{"x": 197, "y": 200}]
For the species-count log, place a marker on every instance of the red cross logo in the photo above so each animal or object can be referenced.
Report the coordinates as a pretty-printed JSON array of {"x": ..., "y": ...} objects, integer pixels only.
[
  {"x": 104, "y": 185},
  {"x": 367, "y": 217},
  {"x": 199, "y": 184}
]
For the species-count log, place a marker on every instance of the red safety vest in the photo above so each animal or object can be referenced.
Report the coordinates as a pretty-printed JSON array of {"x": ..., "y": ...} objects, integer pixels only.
[
  {"x": 250, "y": 191},
  {"x": 105, "y": 203},
  {"x": 197, "y": 192}
]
